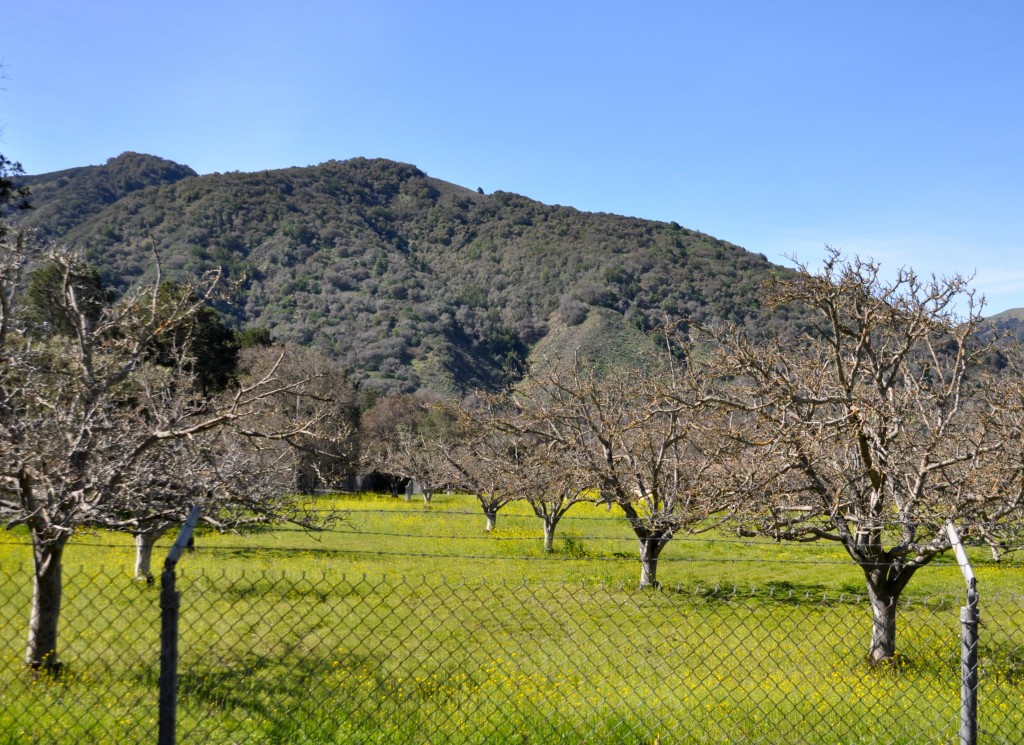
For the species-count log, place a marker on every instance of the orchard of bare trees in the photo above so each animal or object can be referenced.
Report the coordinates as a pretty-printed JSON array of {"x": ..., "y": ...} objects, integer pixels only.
[{"x": 893, "y": 412}]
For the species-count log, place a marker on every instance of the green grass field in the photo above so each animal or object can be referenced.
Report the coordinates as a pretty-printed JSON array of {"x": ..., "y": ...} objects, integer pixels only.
[{"x": 410, "y": 624}]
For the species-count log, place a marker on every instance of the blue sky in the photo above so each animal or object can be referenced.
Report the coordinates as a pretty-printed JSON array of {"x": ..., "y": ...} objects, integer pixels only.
[{"x": 887, "y": 129}]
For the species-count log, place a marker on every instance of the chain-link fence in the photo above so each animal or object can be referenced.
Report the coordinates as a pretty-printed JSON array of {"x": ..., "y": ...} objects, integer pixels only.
[{"x": 283, "y": 657}]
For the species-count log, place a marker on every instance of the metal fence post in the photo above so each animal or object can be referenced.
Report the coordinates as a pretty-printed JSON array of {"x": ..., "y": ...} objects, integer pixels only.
[
  {"x": 170, "y": 600},
  {"x": 969, "y": 670},
  {"x": 969, "y": 620}
]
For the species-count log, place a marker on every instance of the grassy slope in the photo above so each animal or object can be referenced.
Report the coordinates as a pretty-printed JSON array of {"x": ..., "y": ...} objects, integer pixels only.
[
  {"x": 1013, "y": 314},
  {"x": 605, "y": 341}
]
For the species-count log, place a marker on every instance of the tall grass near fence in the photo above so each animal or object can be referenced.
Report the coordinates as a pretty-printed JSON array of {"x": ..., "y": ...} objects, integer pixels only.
[{"x": 285, "y": 640}]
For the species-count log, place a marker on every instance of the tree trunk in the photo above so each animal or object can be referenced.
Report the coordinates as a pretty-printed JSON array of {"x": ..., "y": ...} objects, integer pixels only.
[
  {"x": 550, "y": 523},
  {"x": 886, "y": 581},
  {"x": 144, "y": 543},
  {"x": 492, "y": 519},
  {"x": 428, "y": 494},
  {"x": 305, "y": 479},
  {"x": 883, "y": 630},
  {"x": 549, "y": 533},
  {"x": 47, "y": 589},
  {"x": 650, "y": 550}
]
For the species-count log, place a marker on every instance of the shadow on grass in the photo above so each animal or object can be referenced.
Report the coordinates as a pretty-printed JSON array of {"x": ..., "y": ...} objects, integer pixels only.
[{"x": 296, "y": 698}]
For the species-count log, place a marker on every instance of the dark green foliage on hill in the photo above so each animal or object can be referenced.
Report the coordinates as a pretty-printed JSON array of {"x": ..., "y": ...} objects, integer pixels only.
[
  {"x": 65, "y": 199},
  {"x": 45, "y": 311},
  {"x": 14, "y": 193},
  {"x": 409, "y": 280},
  {"x": 1012, "y": 316},
  {"x": 214, "y": 357},
  {"x": 254, "y": 336}
]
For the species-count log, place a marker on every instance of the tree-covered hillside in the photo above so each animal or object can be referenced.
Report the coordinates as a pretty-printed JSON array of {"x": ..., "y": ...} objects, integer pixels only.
[
  {"x": 409, "y": 280},
  {"x": 64, "y": 199}
]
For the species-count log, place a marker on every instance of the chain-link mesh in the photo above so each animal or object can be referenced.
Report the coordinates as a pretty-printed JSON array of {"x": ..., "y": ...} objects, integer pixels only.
[
  {"x": 282, "y": 657},
  {"x": 110, "y": 651}
]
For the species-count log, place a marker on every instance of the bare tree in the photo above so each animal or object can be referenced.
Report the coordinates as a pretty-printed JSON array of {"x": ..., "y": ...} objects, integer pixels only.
[
  {"x": 80, "y": 415},
  {"x": 321, "y": 398},
  {"x": 551, "y": 483},
  {"x": 486, "y": 461},
  {"x": 239, "y": 482},
  {"x": 644, "y": 443},
  {"x": 246, "y": 472},
  {"x": 405, "y": 436},
  {"x": 552, "y": 498},
  {"x": 526, "y": 464},
  {"x": 379, "y": 428},
  {"x": 872, "y": 429},
  {"x": 991, "y": 493}
]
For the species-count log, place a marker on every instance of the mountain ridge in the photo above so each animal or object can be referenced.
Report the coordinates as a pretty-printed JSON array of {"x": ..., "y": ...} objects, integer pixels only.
[{"x": 411, "y": 281}]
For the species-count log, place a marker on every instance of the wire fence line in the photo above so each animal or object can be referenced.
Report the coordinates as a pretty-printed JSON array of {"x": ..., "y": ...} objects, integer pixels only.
[
  {"x": 437, "y": 509},
  {"x": 557, "y": 558},
  {"x": 281, "y": 656}
]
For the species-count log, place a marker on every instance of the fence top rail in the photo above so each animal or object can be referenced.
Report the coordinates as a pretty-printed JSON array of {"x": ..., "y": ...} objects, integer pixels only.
[{"x": 181, "y": 543}]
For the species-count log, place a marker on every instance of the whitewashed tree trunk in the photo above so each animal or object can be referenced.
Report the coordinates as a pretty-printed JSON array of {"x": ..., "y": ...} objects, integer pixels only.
[
  {"x": 144, "y": 543},
  {"x": 47, "y": 591},
  {"x": 549, "y": 533},
  {"x": 650, "y": 550},
  {"x": 492, "y": 519},
  {"x": 428, "y": 494}
]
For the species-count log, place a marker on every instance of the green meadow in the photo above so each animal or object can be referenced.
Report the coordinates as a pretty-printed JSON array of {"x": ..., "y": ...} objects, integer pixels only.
[{"x": 410, "y": 624}]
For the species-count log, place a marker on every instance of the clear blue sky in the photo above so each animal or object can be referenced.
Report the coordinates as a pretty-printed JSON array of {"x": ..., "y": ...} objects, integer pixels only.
[{"x": 889, "y": 129}]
